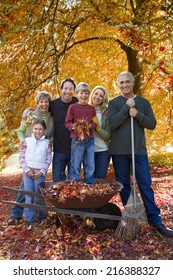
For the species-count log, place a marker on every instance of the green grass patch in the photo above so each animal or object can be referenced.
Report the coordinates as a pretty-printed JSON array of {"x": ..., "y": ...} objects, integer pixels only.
[{"x": 165, "y": 159}]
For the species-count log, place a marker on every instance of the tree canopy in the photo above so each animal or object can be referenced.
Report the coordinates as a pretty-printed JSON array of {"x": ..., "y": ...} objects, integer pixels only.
[{"x": 42, "y": 42}]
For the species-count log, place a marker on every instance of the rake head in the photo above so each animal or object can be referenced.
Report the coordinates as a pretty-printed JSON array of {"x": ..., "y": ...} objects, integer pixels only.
[{"x": 132, "y": 218}]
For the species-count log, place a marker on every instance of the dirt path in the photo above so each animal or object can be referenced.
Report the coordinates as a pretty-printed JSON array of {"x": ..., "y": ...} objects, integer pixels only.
[{"x": 12, "y": 165}]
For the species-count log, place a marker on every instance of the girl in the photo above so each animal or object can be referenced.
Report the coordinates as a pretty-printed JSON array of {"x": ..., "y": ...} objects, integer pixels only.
[
  {"x": 99, "y": 99},
  {"x": 35, "y": 159},
  {"x": 41, "y": 112}
]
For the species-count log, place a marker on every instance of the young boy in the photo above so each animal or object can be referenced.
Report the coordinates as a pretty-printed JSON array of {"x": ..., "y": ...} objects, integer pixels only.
[
  {"x": 79, "y": 122},
  {"x": 35, "y": 159}
]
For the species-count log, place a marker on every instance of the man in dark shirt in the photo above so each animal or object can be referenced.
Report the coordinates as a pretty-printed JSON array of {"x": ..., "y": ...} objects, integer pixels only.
[
  {"x": 62, "y": 141},
  {"x": 120, "y": 111}
]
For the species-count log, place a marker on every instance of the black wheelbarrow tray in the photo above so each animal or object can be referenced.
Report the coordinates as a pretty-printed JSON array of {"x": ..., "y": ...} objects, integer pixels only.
[{"x": 103, "y": 213}]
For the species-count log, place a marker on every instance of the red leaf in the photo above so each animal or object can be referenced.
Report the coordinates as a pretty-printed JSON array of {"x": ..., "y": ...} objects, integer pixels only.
[
  {"x": 11, "y": 18},
  {"x": 162, "y": 48}
]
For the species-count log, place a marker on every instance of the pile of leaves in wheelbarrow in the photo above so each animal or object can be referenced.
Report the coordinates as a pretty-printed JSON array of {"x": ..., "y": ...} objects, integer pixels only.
[
  {"x": 76, "y": 240},
  {"x": 73, "y": 189}
]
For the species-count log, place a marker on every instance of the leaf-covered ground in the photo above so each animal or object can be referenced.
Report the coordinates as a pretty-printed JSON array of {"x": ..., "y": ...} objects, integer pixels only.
[{"x": 75, "y": 240}]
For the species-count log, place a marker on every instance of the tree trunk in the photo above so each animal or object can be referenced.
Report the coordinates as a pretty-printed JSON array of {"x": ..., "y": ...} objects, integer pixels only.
[{"x": 135, "y": 67}]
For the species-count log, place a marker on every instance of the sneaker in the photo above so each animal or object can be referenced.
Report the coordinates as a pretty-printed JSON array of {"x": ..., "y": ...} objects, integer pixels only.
[
  {"x": 31, "y": 225},
  {"x": 13, "y": 221}
]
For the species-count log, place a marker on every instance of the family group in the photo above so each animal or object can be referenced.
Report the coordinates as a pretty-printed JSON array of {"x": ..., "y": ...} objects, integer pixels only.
[{"x": 86, "y": 129}]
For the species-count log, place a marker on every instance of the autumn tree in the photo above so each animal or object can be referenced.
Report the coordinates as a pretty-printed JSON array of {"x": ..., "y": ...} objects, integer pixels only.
[{"x": 43, "y": 41}]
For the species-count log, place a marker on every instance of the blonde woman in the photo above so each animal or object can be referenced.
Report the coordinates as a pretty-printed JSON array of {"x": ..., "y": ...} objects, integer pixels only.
[{"x": 99, "y": 99}]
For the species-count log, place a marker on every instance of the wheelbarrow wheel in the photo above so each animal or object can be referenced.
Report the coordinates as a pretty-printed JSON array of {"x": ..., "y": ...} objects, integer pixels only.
[{"x": 110, "y": 209}]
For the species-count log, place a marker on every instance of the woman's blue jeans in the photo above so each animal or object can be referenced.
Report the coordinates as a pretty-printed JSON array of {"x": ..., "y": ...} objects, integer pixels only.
[
  {"x": 101, "y": 164},
  {"x": 17, "y": 211},
  {"x": 32, "y": 186},
  {"x": 83, "y": 151},
  {"x": 122, "y": 167}
]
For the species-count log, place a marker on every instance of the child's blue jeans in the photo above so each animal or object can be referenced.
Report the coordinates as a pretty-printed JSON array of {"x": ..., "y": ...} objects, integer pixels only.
[
  {"x": 32, "y": 186},
  {"x": 82, "y": 151}
]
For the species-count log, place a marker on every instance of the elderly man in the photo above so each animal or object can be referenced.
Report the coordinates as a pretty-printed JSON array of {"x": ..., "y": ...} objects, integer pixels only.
[{"x": 120, "y": 111}]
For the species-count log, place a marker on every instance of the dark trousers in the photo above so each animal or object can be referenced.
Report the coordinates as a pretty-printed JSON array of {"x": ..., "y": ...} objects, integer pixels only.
[{"x": 122, "y": 166}]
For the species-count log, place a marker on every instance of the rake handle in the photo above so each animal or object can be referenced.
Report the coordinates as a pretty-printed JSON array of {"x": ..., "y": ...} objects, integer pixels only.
[{"x": 133, "y": 161}]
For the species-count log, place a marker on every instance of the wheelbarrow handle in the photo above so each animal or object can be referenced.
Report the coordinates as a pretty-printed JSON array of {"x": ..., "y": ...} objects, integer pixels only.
[
  {"x": 23, "y": 191},
  {"x": 65, "y": 211}
]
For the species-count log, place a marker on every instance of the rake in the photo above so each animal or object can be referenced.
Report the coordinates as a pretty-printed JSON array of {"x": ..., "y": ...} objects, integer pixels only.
[{"x": 134, "y": 211}]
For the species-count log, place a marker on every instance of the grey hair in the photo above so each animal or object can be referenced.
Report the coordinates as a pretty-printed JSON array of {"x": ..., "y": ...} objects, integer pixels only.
[
  {"x": 42, "y": 95},
  {"x": 132, "y": 78}
]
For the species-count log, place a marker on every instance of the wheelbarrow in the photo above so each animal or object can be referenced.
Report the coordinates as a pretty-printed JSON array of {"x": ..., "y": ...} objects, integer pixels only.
[{"x": 103, "y": 213}]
